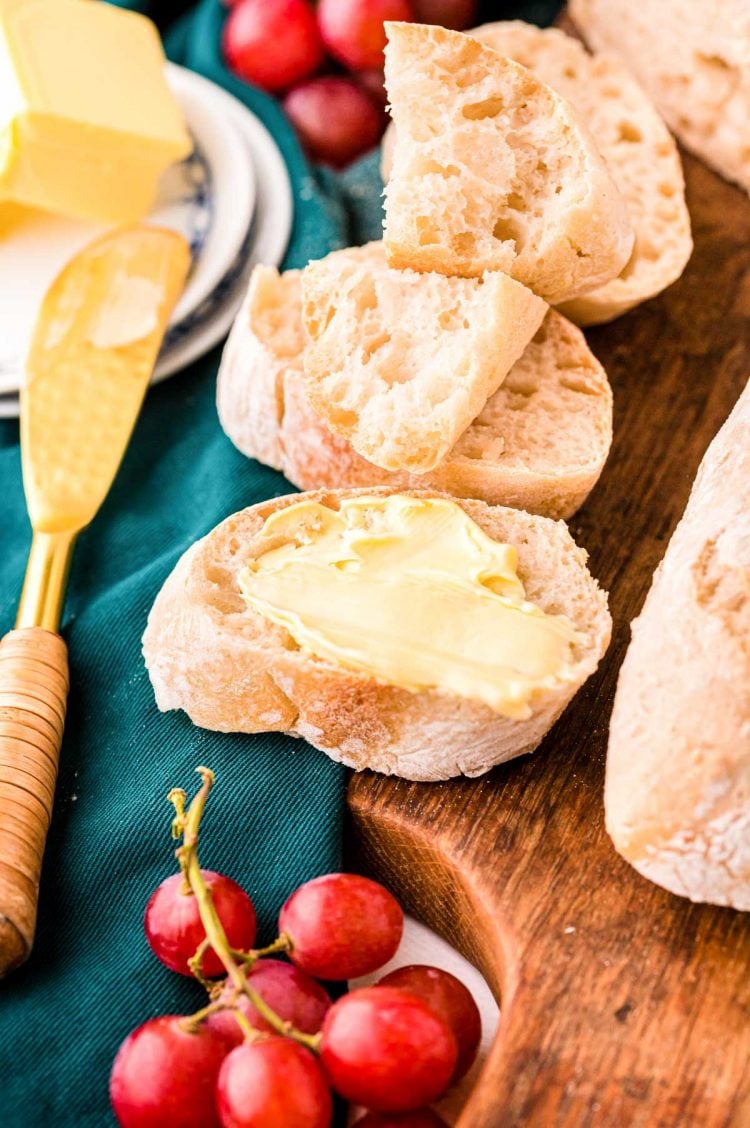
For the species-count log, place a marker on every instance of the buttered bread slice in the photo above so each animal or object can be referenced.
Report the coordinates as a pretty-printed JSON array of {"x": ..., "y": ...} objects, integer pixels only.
[
  {"x": 399, "y": 363},
  {"x": 539, "y": 443},
  {"x": 409, "y": 633},
  {"x": 492, "y": 170}
]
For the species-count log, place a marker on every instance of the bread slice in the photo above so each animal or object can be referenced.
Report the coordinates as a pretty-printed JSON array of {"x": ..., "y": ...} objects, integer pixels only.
[
  {"x": 637, "y": 148},
  {"x": 233, "y": 670},
  {"x": 636, "y": 145},
  {"x": 399, "y": 363},
  {"x": 693, "y": 58},
  {"x": 263, "y": 343},
  {"x": 539, "y": 443},
  {"x": 492, "y": 170},
  {"x": 677, "y": 791}
]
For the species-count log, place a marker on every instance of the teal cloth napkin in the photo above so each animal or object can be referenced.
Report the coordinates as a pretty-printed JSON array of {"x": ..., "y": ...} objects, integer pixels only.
[{"x": 274, "y": 819}]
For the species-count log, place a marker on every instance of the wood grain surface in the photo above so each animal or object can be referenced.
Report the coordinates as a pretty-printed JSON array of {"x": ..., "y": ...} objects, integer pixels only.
[{"x": 621, "y": 1004}]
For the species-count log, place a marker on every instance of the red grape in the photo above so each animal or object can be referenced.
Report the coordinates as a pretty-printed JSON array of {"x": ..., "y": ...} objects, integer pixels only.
[
  {"x": 456, "y": 14},
  {"x": 273, "y": 43},
  {"x": 342, "y": 926},
  {"x": 373, "y": 81},
  {"x": 273, "y": 1083},
  {"x": 294, "y": 996},
  {"x": 448, "y": 997},
  {"x": 174, "y": 928},
  {"x": 352, "y": 30},
  {"x": 164, "y": 1074},
  {"x": 417, "y": 1118},
  {"x": 385, "y": 1049},
  {"x": 335, "y": 119}
]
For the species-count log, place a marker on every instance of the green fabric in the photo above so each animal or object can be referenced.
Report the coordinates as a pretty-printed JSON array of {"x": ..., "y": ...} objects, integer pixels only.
[{"x": 275, "y": 817}]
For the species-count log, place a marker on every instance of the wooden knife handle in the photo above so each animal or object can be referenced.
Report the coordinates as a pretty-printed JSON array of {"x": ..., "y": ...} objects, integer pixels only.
[{"x": 33, "y": 697}]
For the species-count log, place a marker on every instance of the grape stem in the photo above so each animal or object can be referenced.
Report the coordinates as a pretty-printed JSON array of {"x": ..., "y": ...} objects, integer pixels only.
[
  {"x": 195, "y": 963},
  {"x": 187, "y": 825},
  {"x": 248, "y": 958},
  {"x": 250, "y": 1033},
  {"x": 193, "y": 1021},
  {"x": 177, "y": 797}
]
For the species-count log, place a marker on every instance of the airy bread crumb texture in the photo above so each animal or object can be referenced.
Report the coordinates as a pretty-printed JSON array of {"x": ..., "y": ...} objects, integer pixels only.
[
  {"x": 232, "y": 670},
  {"x": 693, "y": 58},
  {"x": 492, "y": 170},
  {"x": 539, "y": 443},
  {"x": 637, "y": 148},
  {"x": 400, "y": 363}
]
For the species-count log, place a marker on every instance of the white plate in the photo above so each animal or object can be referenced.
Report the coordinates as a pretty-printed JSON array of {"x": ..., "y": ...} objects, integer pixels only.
[
  {"x": 227, "y": 197},
  {"x": 271, "y": 227},
  {"x": 268, "y": 241},
  {"x": 209, "y": 198}
]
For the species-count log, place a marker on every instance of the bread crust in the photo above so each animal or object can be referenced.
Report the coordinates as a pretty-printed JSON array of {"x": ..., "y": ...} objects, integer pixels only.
[
  {"x": 677, "y": 793},
  {"x": 539, "y": 444},
  {"x": 231, "y": 669},
  {"x": 250, "y": 386}
]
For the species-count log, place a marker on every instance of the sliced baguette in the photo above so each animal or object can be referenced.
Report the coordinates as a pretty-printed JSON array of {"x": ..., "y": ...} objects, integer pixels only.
[
  {"x": 263, "y": 343},
  {"x": 693, "y": 58},
  {"x": 400, "y": 363},
  {"x": 637, "y": 147},
  {"x": 539, "y": 443},
  {"x": 233, "y": 670},
  {"x": 677, "y": 793},
  {"x": 492, "y": 170}
]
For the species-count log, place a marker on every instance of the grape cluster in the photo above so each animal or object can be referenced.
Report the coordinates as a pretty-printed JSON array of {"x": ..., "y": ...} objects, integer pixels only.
[
  {"x": 270, "y": 1048},
  {"x": 284, "y": 45}
]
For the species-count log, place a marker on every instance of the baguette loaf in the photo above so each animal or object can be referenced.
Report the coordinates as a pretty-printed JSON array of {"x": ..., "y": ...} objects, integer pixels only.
[
  {"x": 492, "y": 170},
  {"x": 637, "y": 147},
  {"x": 233, "y": 670},
  {"x": 399, "y": 363},
  {"x": 693, "y": 58},
  {"x": 677, "y": 791},
  {"x": 539, "y": 443}
]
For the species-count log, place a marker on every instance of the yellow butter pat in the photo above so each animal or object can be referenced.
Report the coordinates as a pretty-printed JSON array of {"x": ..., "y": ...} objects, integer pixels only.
[
  {"x": 87, "y": 121},
  {"x": 413, "y": 593}
]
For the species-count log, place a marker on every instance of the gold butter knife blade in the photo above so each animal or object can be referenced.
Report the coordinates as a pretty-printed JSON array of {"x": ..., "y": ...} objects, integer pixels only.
[{"x": 92, "y": 355}]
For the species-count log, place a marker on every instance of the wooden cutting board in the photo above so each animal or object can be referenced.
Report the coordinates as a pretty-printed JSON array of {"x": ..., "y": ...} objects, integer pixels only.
[{"x": 622, "y": 1005}]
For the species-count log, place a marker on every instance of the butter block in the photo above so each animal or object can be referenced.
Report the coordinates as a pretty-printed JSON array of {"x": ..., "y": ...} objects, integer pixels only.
[{"x": 87, "y": 121}]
